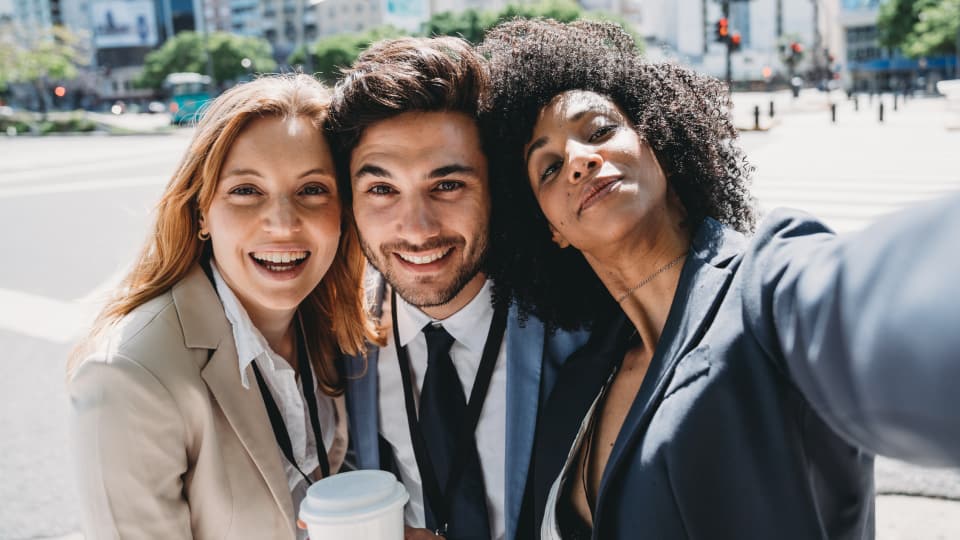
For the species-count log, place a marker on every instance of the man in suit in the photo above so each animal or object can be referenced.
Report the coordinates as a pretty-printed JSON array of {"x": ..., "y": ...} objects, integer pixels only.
[{"x": 451, "y": 399}]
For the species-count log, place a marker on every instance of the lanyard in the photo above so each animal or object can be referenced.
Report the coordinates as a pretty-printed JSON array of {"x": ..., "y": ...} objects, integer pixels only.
[
  {"x": 478, "y": 394},
  {"x": 276, "y": 419}
]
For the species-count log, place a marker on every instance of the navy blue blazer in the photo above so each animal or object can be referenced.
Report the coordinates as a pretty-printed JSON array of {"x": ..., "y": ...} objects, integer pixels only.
[
  {"x": 786, "y": 362},
  {"x": 533, "y": 360}
]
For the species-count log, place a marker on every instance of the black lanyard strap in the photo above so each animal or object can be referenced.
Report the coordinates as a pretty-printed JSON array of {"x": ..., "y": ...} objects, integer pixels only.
[
  {"x": 276, "y": 418},
  {"x": 439, "y": 501}
]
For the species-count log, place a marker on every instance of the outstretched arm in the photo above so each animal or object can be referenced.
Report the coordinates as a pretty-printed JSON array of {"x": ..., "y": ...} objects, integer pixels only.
[{"x": 867, "y": 325}]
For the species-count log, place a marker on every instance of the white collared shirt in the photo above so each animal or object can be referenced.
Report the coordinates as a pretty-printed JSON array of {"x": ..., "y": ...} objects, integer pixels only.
[
  {"x": 284, "y": 386},
  {"x": 469, "y": 327}
]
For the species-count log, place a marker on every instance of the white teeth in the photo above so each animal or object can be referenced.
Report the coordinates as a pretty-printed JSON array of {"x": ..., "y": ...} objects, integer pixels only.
[
  {"x": 423, "y": 259},
  {"x": 280, "y": 257}
]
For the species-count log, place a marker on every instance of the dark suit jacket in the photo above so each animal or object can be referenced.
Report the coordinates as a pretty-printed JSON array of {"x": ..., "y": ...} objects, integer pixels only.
[{"x": 785, "y": 363}]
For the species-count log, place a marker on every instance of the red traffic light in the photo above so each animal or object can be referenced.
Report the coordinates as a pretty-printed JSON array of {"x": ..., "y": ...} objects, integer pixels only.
[
  {"x": 796, "y": 47},
  {"x": 722, "y": 30},
  {"x": 60, "y": 91},
  {"x": 735, "y": 39}
]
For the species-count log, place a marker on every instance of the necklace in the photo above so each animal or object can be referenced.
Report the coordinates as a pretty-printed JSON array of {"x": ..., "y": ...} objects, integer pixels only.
[{"x": 649, "y": 278}]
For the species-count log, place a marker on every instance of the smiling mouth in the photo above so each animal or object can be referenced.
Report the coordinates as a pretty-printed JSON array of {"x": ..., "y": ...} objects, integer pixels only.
[
  {"x": 280, "y": 261},
  {"x": 594, "y": 191},
  {"x": 425, "y": 257}
]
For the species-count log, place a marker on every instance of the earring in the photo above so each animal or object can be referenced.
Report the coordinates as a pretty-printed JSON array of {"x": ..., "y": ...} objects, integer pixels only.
[{"x": 203, "y": 236}]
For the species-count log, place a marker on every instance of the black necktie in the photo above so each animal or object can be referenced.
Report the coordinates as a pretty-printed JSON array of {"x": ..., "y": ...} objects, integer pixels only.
[{"x": 442, "y": 409}]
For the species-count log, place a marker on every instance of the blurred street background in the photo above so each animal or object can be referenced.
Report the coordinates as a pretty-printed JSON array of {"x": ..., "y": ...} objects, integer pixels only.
[{"x": 849, "y": 109}]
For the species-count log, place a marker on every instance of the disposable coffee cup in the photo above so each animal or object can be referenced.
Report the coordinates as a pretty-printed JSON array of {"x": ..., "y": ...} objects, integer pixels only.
[{"x": 355, "y": 505}]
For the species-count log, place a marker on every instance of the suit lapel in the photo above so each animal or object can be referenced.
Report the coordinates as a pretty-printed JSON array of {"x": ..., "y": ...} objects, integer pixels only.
[
  {"x": 703, "y": 283},
  {"x": 362, "y": 404},
  {"x": 524, "y": 368},
  {"x": 205, "y": 326}
]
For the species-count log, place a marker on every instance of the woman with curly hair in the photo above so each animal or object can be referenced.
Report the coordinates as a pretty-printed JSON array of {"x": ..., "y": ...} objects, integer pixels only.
[
  {"x": 208, "y": 395},
  {"x": 733, "y": 386}
]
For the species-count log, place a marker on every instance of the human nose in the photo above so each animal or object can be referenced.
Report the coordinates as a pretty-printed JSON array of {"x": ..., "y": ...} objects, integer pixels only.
[
  {"x": 282, "y": 216},
  {"x": 419, "y": 220},
  {"x": 583, "y": 160}
]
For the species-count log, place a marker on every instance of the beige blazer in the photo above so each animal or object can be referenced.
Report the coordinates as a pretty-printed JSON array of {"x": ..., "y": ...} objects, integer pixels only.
[{"x": 168, "y": 443}]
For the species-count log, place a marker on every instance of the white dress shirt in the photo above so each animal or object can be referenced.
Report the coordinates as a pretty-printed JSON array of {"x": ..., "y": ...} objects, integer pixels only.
[
  {"x": 285, "y": 388},
  {"x": 469, "y": 328}
]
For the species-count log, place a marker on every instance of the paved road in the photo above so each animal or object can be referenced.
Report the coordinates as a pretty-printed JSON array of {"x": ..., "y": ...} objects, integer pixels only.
[{"x": 74, "y": 210}]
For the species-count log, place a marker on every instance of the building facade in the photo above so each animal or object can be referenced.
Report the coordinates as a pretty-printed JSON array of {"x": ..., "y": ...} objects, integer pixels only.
[
  {"x": 684, "y": 30},
  {"x": 872, "y": 68}
]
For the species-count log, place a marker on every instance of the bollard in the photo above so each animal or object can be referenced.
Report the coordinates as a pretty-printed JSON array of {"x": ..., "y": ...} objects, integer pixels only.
[
  {"x": 894, "y": 101},
  {"x": 771, "y": 108},
  {"x": 756, "y": 117},
  {"x": 833, "y": 113},
  {"x": 856, "y": 104},
  {"x": 881, "y": 112}
]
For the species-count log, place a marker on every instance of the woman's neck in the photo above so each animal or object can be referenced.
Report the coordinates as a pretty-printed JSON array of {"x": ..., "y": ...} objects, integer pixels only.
[
  {"x": 278, "y": 329},
  {"x": 643, "y": 276}
]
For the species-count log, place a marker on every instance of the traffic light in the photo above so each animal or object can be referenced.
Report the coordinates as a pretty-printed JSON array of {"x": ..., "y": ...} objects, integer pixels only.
[
  {"x": 735, "y": 40},
  {"x": 796, "y": 48},
  {"x": 60, "y": 91},
  {"x": 722, "y": 30}
]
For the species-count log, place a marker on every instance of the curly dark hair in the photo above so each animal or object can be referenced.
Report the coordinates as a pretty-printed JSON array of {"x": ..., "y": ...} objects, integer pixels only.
[
  {"x": 683, "y": 115},
  {"x": 396, "y": 76}
]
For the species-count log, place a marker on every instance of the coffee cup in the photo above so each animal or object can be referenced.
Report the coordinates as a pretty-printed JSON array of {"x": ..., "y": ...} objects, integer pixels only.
[{"x": 355, "y": 505}]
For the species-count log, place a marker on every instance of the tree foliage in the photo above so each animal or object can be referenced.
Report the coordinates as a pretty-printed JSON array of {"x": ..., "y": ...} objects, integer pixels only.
[
  {"x": 51, "y": 55},
  {"x": 920, "y": 27},
  {"x": 334, "y": 52},
  {"x": 187, "y": 51}
]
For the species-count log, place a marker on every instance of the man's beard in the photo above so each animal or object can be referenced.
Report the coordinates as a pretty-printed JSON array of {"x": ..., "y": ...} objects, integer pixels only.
[{"x": 416, "y": 295}]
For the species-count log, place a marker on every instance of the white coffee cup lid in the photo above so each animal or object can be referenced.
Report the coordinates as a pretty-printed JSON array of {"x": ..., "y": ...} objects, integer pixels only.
[{"x": 352, "y": 495}]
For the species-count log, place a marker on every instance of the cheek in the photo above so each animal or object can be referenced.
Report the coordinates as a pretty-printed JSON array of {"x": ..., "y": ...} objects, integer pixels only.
[
  {"x": 229, "y": 226},
  {"x": 325, "y": 227}
]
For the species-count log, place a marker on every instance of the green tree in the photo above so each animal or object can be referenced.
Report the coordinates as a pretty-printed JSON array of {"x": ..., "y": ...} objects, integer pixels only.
[
  {"x": 53, "y": 55},
  {"x": 472, "y": 25},
  {"x": 334, "y": 52},
  {"x": 920, "y": 27},
  {"x": 187, "y": 51}
]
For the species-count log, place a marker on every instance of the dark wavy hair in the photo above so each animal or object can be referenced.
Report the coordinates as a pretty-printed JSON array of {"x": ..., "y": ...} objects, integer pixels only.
[
  {"x": 396, "y": 76},
  {"x": 683, "y": 115}
]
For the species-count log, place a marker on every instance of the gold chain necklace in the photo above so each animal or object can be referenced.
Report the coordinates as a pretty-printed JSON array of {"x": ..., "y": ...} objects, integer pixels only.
[{"x": 649, "y": 278}]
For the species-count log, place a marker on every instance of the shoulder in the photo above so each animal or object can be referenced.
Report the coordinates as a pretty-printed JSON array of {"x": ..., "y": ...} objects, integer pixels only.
[{"x": 146, "y": 344}]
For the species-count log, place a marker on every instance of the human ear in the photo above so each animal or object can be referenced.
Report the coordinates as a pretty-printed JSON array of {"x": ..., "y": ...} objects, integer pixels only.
[{"x": 558, "y": 238}]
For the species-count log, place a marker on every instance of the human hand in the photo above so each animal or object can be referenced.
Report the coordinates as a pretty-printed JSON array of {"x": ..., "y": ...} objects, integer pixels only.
[{"x": 409, "y": 533}]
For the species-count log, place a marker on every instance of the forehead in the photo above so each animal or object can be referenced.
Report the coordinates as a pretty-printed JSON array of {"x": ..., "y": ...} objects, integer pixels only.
[
  {"x": 420, "y": 139},
  {"x": 573, "y": 104},
  {"x": 280, "y": 139}
]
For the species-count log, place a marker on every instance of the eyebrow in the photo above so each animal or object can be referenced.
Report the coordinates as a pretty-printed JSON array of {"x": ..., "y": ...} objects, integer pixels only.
[
  {"x": 316, "y": 171},
  {"x": 253, "y": 172},
  {"x": 439, "y": 172},
  {"x": 447, "y": 170},
  {"x": 243, "y": 172},
  {"x": 371, "y": 170},
  {"x": 542, "y": 141}
]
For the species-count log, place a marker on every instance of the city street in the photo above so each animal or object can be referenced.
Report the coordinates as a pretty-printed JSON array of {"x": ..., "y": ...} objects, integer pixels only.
[{"x": 74, "y": 211}]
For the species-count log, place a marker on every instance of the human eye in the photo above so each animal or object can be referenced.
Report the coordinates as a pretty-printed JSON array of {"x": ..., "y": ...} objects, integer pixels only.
[
  {"x": 380, "y": 190},
  {"x": 314, "y": 189},
  {"x": 550, "y": 170},
  {"x": 448, "y": 185},
  {"x": 601, "y": 132},
  {"x": 244, "y": 191}
]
